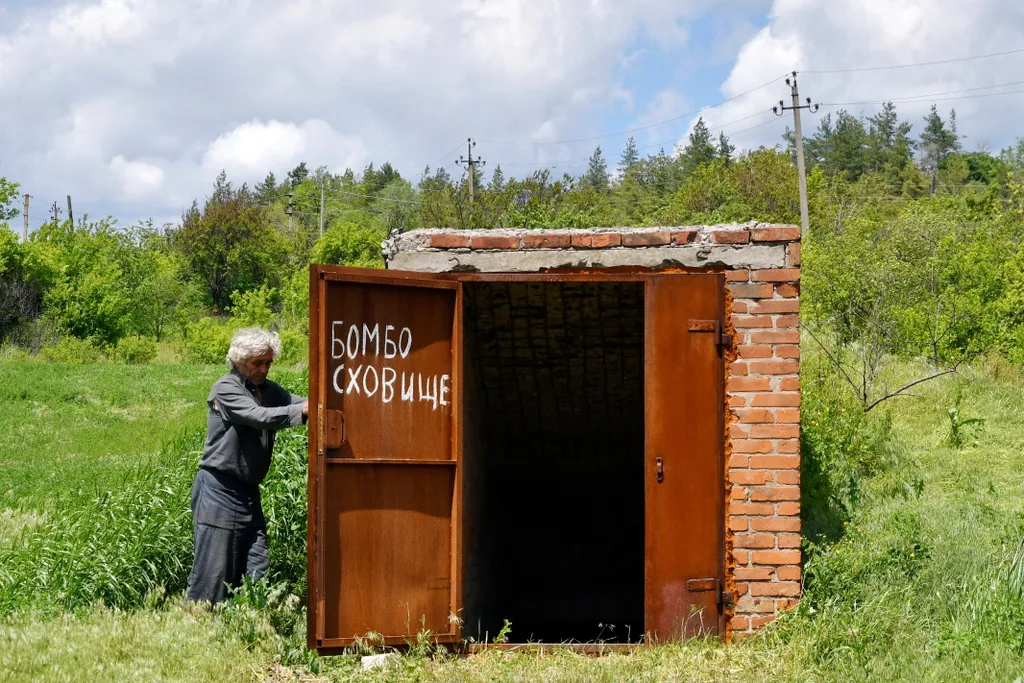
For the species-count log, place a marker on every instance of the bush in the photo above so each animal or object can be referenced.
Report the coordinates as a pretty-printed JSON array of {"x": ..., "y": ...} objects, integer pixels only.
[
  {"x": 294, "y": 347},
  {"x": 136, "y": 350},
  {"x": 73, "y": 350},
  {"x": 207, "y": 340}
]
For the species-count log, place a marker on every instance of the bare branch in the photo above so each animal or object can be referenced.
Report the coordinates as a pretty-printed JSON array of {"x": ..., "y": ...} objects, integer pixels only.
[{"x": 901, "y": 390}]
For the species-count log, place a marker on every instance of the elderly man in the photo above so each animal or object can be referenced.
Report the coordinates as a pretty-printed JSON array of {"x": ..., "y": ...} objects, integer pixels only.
[{"x": 245, "y": 411}]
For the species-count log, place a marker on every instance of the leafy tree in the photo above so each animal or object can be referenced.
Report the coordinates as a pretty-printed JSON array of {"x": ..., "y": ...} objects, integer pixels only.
[
  {"x": 596, "y": 176},
  {"x": 91, "y": 296},
  {"x": 630, "y": 156},
  {"x": 8, "y": 193},
  {"x": 229, "y": 245},
  {"x": 349, "y": 244},
  {"x": 700, "y": 150}
]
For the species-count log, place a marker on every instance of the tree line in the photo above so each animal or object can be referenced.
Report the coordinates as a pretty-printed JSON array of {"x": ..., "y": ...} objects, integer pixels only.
[{"x": 241, "y": 253}]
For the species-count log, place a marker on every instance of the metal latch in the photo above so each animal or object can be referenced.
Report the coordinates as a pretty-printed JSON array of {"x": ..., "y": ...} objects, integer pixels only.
[
  {"x": 722, "y": 339},
  {"x": 334, "y": 434}
]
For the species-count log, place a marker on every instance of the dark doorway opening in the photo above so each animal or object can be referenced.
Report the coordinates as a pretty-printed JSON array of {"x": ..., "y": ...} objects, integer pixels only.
[{"x": 553, "y": 461}]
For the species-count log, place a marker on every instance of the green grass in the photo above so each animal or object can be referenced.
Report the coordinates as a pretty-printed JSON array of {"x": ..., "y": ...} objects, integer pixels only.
[
  {"x": 71, "y": 429},
  {"x": 174, "y": 643},
  {"x": 911, "y": 582}
]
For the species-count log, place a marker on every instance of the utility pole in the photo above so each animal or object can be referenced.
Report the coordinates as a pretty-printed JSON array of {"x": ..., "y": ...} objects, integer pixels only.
[
  {"x": 55, "y": 212},
  {"x": 24, "y": 233},
  {"x": 71, "y": 216},
  {"x": 321, "y": 208},
  {"x": 779, "y": 110},
  {"x": 471, "y": 164},
  {"x": 289, "y": 211}
]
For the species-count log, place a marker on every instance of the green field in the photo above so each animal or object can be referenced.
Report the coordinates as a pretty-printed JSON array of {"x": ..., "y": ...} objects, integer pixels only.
[
  {"x": 82, "y": 428},
  {"x": 915, "y": 582}
]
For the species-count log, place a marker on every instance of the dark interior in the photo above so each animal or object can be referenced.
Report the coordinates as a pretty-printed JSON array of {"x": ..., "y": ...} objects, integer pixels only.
[{"x": 553, "y": 506}]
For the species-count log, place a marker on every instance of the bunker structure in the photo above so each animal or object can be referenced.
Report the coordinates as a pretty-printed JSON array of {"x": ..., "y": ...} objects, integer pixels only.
[{"x": 592, "y": 434}]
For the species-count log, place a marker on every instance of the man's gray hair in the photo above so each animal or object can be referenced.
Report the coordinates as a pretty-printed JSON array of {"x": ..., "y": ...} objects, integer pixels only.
[{"x": 252, "y": 341}]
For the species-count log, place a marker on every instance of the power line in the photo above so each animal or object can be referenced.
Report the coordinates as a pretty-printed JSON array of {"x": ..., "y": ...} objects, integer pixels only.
[
  {"x": 909, "y": 66},
  {"x": 453, "y": 150},
  {"x": 639, "y": 128},
  {"x": 571, "y": 163},
  {"x": 928, "y": 99}
]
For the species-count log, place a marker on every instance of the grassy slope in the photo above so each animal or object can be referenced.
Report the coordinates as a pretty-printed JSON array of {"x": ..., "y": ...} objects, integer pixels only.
[
  {"x": 918, "y": 582},
  {"x": 71, "y": 428}
]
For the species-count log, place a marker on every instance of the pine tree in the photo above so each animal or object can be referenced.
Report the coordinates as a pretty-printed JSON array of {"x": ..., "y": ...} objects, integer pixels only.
[
  {"x": 596, "y": 176},
  {"x": 725, "y": 149},
  {"x": 222, "y": 190},
  {"x": 497, "y": 179},
  {"x": 266, "y": 191},
  {"x": 700, "y": 150},
  {"x": 936, "y": 134},
  {"x": 630, "y": 156},
  {"x": 937, "y": 142},
  {"x": 889, "y": 142},
  {"x": 298, "y": 175}
]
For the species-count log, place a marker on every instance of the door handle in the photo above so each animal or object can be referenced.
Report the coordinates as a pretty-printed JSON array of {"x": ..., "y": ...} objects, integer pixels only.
[{"x": 659, "y": 469}]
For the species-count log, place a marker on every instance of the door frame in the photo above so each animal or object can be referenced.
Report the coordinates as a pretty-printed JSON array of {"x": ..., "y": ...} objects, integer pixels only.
[{"x": 594, "y": 275}]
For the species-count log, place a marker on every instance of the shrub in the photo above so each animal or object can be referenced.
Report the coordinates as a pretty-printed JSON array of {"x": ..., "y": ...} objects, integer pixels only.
[
  {"x": 294, "y": 347},
  {"x": 253, "y": 308},
  {"x": 136, "y": 350},
  {"x": 207, "y": 340},
  {"x": 73, "y": 350}
]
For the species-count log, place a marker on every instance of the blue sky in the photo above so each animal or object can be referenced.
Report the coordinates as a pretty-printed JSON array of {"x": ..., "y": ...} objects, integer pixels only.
[{"x": 133, "y": 106}]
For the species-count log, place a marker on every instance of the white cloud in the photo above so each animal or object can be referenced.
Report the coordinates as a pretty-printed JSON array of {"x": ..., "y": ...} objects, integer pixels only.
[
  {"x": 250, "y": 149},
  {"x": 131, "y": 87},
  {"x": 138, "y": 179},
  {"x": 807, "y": 35}
]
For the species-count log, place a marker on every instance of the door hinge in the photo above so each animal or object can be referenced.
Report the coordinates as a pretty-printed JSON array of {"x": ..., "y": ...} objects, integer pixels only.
[{"x": 722, "y": 339}]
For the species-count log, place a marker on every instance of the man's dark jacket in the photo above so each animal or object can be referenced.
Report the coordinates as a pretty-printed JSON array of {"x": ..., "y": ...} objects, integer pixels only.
[{"x": 239, "y": 441}]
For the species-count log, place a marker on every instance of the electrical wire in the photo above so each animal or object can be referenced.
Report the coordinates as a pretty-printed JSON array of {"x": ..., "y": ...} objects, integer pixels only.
[
  {"x": 927, "y": 98},
  {"x": 639, "y": 128},
  {"x": 909, "y": 66},
  {"x": 573, "y": 163}
]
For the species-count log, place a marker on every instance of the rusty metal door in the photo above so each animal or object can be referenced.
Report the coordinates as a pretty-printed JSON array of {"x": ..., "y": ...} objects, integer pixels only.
[
  {"x": 684, "y": 468},
  {"x": 383, "y": 461}
]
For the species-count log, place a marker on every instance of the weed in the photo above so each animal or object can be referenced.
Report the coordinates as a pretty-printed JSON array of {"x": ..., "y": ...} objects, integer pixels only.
[{"x": 959, "y": 425}]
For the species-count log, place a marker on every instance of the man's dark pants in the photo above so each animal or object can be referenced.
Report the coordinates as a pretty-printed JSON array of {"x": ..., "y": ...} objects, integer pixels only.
[{"x": 230, "y": 537}]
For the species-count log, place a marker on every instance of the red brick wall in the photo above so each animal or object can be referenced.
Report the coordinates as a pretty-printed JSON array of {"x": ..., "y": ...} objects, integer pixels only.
[
  {"x": 763, "y": 390},
  {"x": 762, "y": 378}
]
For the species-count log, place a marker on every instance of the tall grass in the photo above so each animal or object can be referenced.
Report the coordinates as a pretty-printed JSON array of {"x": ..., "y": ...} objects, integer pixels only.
[
  {"x": 118, "y": 546},
  {"x": 912, "y": 568}
]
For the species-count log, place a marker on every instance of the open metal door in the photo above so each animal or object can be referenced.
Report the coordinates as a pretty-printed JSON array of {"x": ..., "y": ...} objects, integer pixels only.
[
  {"x": 684, "y": 468},
  {"x": 384, "y": 481}
]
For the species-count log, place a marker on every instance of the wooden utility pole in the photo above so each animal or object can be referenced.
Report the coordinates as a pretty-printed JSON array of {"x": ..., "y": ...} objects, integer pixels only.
[
  {"x": 779, "y": 110},
  {"x": 71, "y": 216},
  {"x": 24, "y": 232},
  {"x": 471, "y": 165},
  {"x": 321, "y": 208}
]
